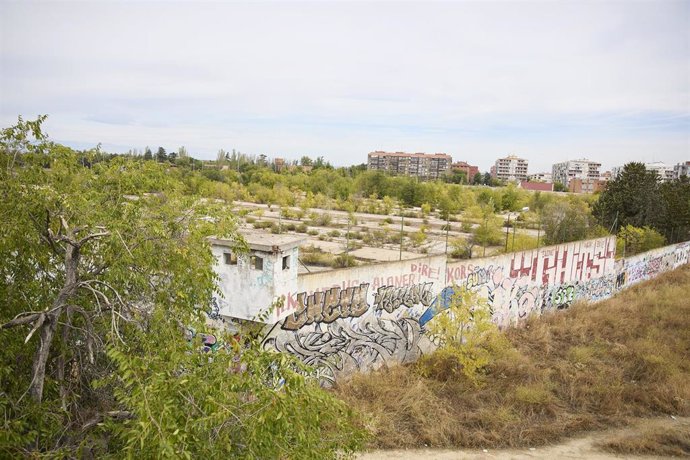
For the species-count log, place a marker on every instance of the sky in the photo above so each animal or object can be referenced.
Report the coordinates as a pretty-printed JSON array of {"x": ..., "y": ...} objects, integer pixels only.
[{"x": 545, "y": 80}]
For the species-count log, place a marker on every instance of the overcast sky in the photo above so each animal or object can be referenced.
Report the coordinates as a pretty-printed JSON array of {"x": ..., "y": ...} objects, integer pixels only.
[{"x": 548, "y": 80}]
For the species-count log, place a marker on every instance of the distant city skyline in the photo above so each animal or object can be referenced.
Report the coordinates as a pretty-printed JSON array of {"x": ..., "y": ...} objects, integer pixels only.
[{"x": 545, "y": 81}]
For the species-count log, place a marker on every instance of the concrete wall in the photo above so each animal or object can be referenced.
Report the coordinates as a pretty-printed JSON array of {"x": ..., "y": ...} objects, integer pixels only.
[
  {"x": 519, "y": 284},
  {"x": 649, "y": 264},
  {"x": 361, "y": 318}
]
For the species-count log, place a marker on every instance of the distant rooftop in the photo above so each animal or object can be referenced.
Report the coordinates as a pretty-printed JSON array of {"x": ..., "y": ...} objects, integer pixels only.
[{"x": 403, "y": 154}]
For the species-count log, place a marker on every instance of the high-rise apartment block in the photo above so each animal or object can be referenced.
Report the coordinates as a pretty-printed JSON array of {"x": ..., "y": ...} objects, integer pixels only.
[
  {"x": 510, "y": 168},
  {"x": 585, "y": 170},
  {"x": 424, "y": 166}
]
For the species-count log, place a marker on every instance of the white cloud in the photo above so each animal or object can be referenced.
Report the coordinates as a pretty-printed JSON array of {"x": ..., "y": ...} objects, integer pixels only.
[{"x": 477, "y": 80}]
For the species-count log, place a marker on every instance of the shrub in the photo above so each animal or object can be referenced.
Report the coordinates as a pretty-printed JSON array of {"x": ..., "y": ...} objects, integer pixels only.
[
  {"x": 344, "y": 260},
  {"x": 633, "y": 240},
  {"x": 262, "y": 224},
  {"x": 322, "y": 220},
  {"x": 468, "y": 340}
]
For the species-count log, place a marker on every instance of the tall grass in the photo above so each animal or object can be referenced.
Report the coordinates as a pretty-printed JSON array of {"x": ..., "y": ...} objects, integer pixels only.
[{"x": 592, "y": 366}]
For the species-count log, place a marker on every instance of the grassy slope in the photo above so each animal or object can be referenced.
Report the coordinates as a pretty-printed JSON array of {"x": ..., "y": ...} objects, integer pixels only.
[{"x": 592, "y": 366}]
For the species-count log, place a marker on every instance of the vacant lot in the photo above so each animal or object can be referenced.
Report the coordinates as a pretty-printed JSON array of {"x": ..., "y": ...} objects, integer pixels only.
[{"x": 591, "y": 367}]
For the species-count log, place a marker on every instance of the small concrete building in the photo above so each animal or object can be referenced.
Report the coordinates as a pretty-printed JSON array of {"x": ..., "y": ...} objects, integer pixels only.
[{"x": 251, "y": 282}]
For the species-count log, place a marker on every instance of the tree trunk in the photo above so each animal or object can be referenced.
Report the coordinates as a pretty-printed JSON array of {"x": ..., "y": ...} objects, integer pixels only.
[
  {"x": 39, "y": 367},
  {"x": 50, "y": 323}
]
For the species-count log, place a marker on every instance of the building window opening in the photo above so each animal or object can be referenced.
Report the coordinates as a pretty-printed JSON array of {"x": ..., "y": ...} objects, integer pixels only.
[
  {"x": 230, "y": 258},
  {"x": 256, "y": 262},
  {"x": 286, "y": 263}
]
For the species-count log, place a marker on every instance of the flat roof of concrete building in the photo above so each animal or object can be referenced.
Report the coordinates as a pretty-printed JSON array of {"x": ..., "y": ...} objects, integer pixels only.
[{"x": 267, "y": 242}]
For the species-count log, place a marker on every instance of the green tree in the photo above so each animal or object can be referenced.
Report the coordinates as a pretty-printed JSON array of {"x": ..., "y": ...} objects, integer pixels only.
[
  {"x": 488, "y": 232},
  {"x": 477, "y": 179},
  {"x": 632, "y": 198},
  {"x": 148, "y": 155},
  {"x": 161, "y": 155},
  {"x": 565, "y": 220},
  {"x": 674, "y": 217},
  {"x": 457, "y": 177},
  {"x": 559, "y": 187},
  {"x": 104, "y": 269}
]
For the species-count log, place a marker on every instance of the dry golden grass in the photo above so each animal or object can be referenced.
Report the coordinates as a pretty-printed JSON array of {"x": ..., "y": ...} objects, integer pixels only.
[
  {"x": 653, "y": 439},
  {"x": 590, "y": 367}
]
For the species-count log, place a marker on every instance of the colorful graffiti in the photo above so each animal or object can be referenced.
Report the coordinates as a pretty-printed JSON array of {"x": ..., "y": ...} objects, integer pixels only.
[
  {"x": 358, "y": 326},
  {"x": 328, "y": 306}
]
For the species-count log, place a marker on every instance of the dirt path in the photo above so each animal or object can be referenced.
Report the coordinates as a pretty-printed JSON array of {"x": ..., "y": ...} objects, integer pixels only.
[{"x": 582, "y": 447}]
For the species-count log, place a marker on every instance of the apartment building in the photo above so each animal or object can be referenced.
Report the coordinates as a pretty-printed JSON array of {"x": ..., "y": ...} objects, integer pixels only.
[
  {"x": 469, "y": 170},
  {"x": 510, "y": 168},
  {"x": 664, "y": 171},
  {"x": 577, "y": 185},
  {"x": 583, "y": 169},
  {"x": 422, "y": 165},
  {"x": 681, "y": 169}
]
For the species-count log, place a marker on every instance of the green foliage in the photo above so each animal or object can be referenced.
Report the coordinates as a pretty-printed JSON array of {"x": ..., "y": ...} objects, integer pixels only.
[
  {"x": 240, "y": 402},
  {"x": 629, "y": 199},
  {"x": 632, "y": 240},
  {"x": 521, "y": 242},
  {"x": 636, "y": 197},
  {"x": 106, "y": 261},
  {"x": 565, "y": 220},
  {"x": 488, "y": 232},
  {"x": 461, "y": 248},
  {"x": 468, "y": 340}
]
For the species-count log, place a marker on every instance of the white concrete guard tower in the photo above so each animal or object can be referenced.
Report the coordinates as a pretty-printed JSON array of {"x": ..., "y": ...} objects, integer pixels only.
[{"x": 251, "y": 282}]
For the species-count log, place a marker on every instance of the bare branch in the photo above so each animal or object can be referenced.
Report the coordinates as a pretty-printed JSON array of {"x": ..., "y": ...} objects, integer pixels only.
[
  {"x": 27, "y": 317},
  {"x": 92, "y": 236},
  {"x": 39, "y": 323}
]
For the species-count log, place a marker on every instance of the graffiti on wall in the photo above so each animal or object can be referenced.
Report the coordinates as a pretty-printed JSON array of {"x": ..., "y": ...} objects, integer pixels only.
[
  {"x": 577, "y": 261},
  {"x": 358, "y": 327},
  {"x": 338, "y": 331},
  {"x": 349, "y": 345},
  {"x": 327, "y": 306},
  {"x": 390, "y": 298}
]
